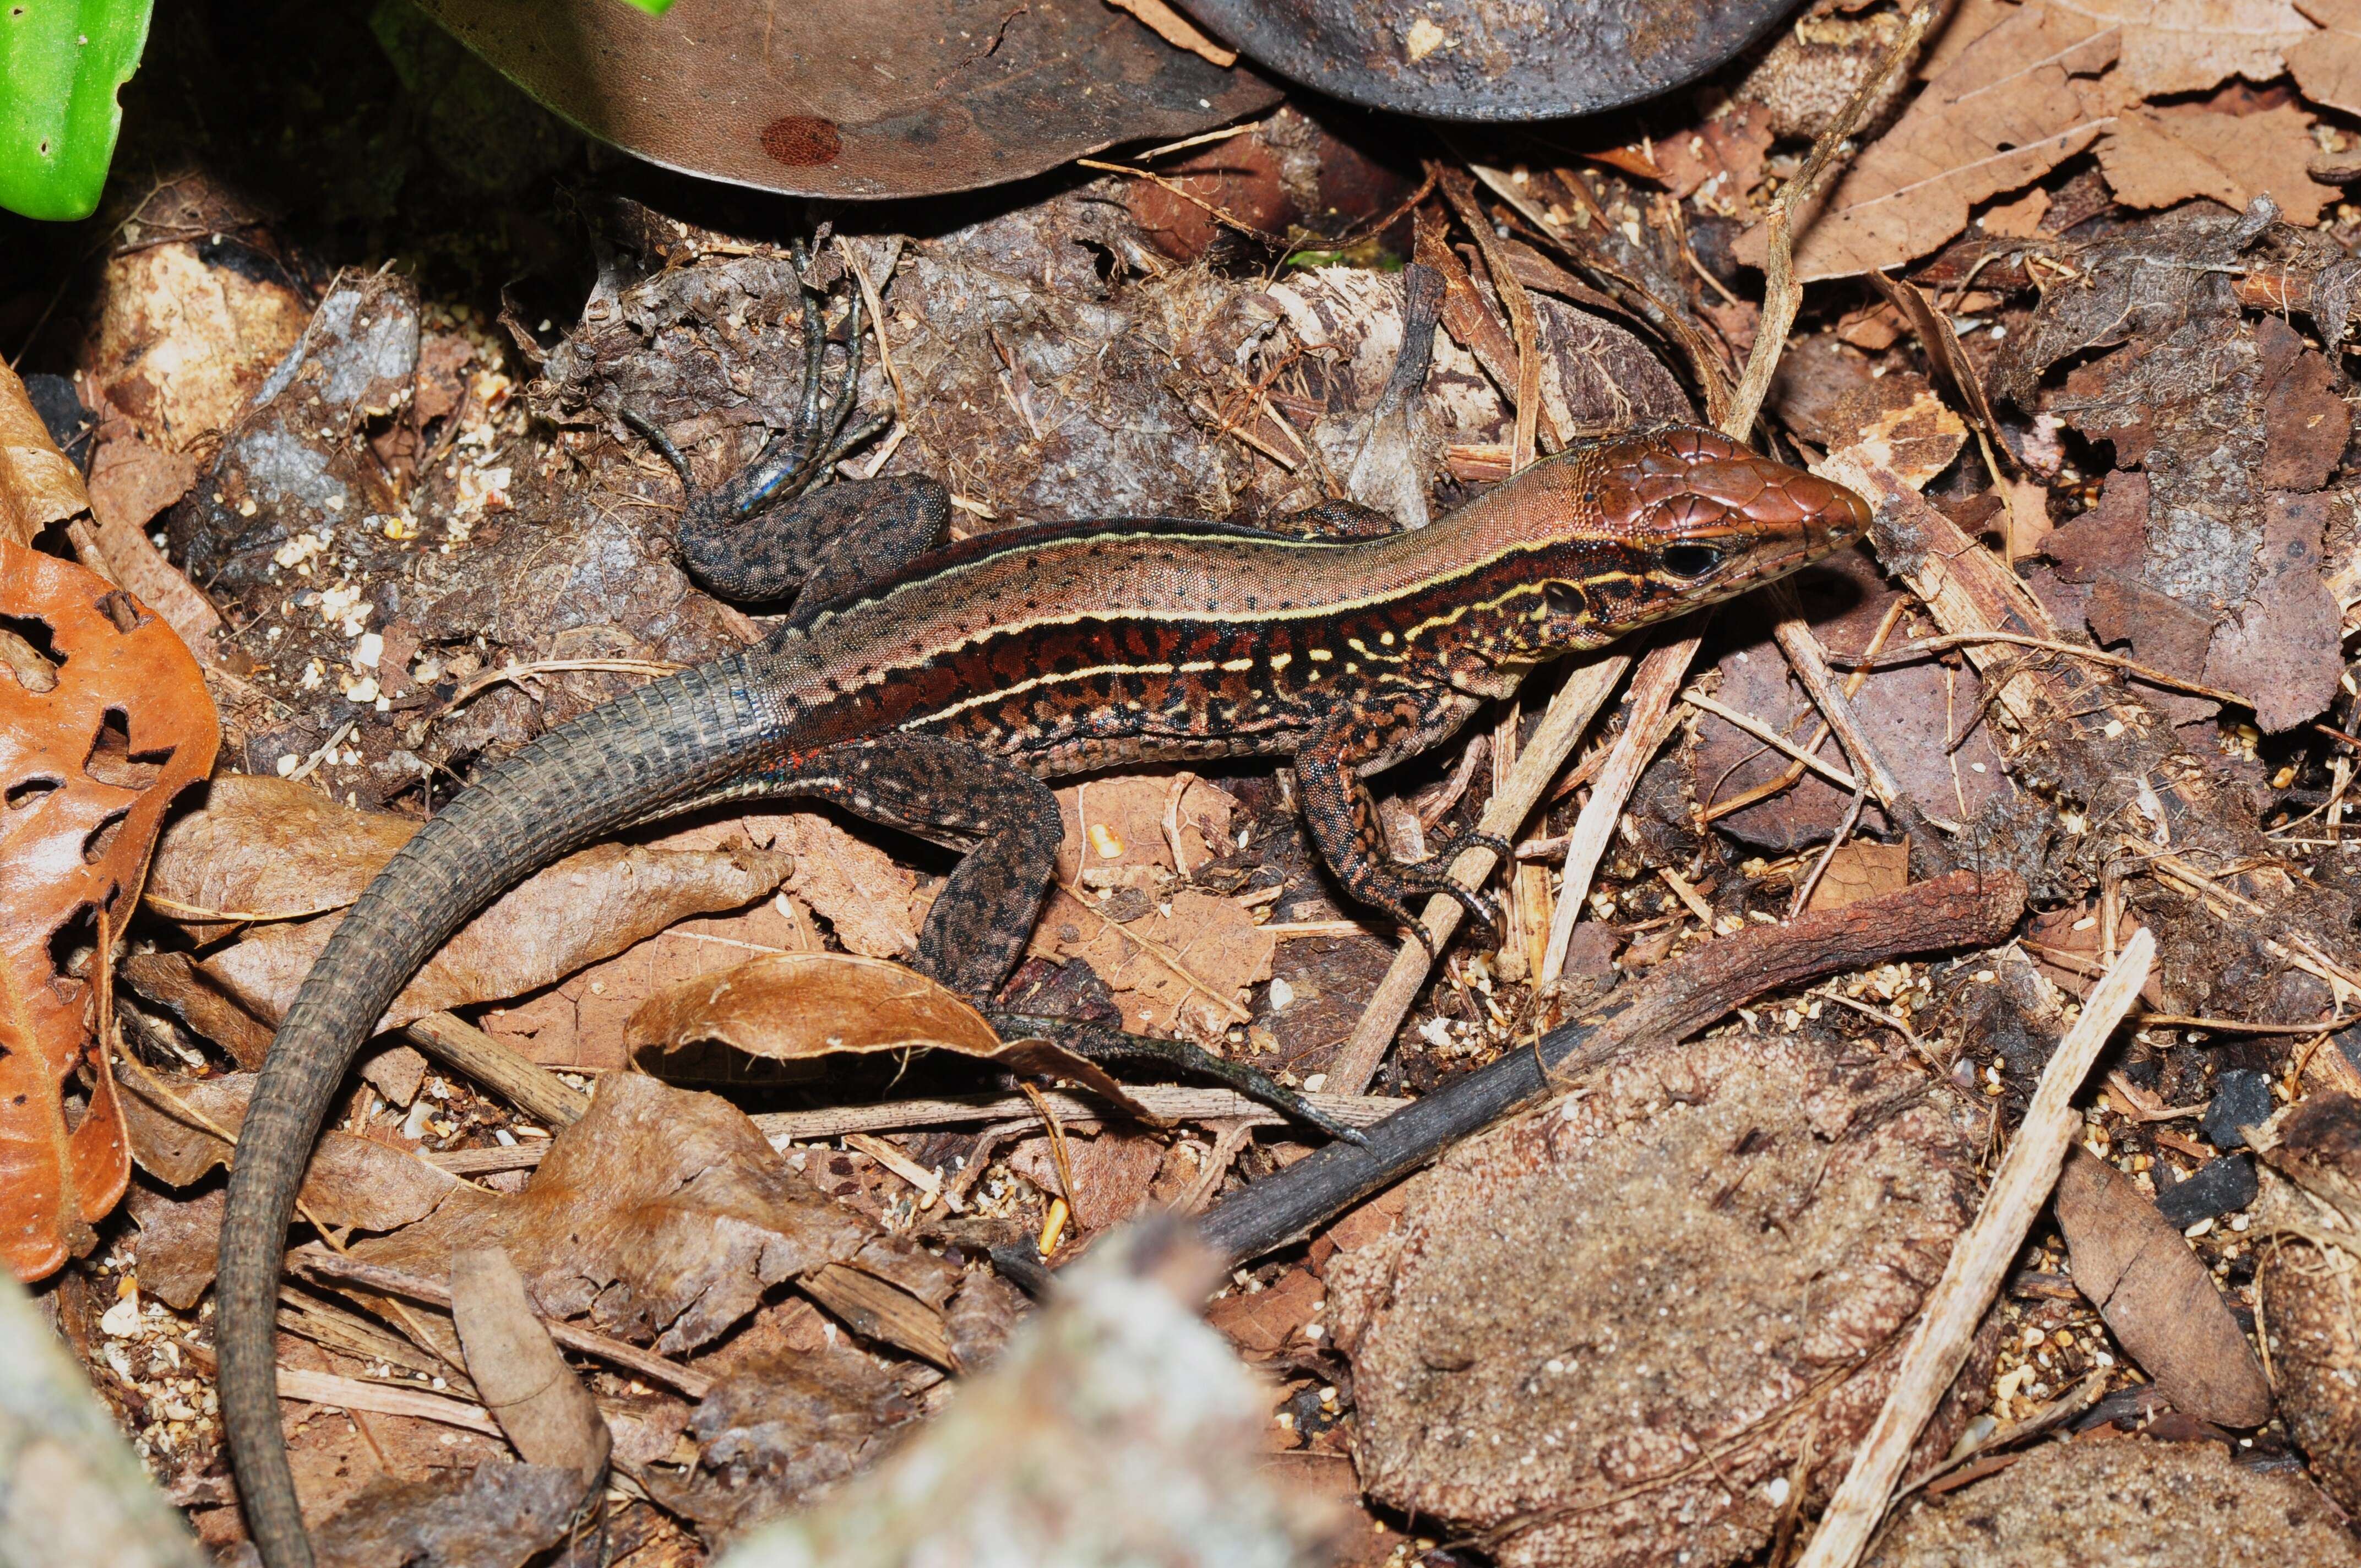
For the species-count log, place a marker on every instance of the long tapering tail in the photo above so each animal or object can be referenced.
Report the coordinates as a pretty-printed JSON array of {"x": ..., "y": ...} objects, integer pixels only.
[{"x": 667, "y": 743}]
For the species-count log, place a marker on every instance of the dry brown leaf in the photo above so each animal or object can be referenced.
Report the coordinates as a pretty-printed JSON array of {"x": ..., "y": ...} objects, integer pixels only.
[
  {"x": 1916, "y": 440},
  {"x": 37, "y": 485},
  {"x": 1185, "y": 972},
  {"x": 2188, "y": 46},
  {"x": 266, "y": 848},
  {"x": 352, "y": 1180},
  {"x": 1860, "y": 869},
  {"x": 130, "y": 482},
  {"x": 2155, "y": 161},
  {"x": 270, "y": 849},
  {"x": 2327, "y": 65},
  {"x": 662, "y": 1214},
  {"x": 494, "y": 1516},
  {"x": 88, "y": 765},
  {"x": 1113, "y": 1173},
  {"x": 803, "y": 1006},
  {"x": 2158, "y": 1299},
  {"x": 520, "y": 1374},
  {"x": 578, "y": 1024},
  {"x": 2014, "y": 103},
  {"x": 1124, "y": 818},
  {"x": 872, "y": 903}
]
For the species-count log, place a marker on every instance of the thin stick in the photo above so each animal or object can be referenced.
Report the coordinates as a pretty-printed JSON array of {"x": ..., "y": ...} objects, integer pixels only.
[
  {"x": 1820, "y": 866},
  {"x": 1925, "y": 645},
  {"x": 1789, "y": 775},
  {"x": 1819, "y": 682},
  {"x": 507, "y": 1072},
  {"x": 1782, "y": 295},
  {"x": 1568, "y": 715},
  {"x": 876, "y": 324},
  {"x": 390, "y": 1281},
  {"x": 1654, "y": 687},
  {"x": 1978, "y": 1265},
  {"x": 1774, "y": 740}
]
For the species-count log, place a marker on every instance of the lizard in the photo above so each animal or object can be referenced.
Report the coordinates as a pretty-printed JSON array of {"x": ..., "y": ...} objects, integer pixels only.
[{"x": 935, "y": 686}]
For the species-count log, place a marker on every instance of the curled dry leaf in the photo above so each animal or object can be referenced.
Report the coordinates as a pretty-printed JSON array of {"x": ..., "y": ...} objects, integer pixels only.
[
  {"x": 93, "y": 749},
  {"x": 520, "y": 1374},
  {"x": 266, "y": 848},
  {"x": 662, "y": 1214},
  {"x": 802, "y": 1006},
  {"x": 2157, "y": 1297},
  {"x": 2156, "y": 161}
]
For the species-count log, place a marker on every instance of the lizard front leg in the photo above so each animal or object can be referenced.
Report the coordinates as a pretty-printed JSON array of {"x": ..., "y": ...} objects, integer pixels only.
[
  {"x": 1392, "y": 722},
  {"x": 985, "y": 916}
]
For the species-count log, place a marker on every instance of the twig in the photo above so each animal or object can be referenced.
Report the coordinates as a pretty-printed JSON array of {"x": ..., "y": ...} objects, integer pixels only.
[
  {"x": 434, "y": 1292},
  {"x": 383, "y": 1398},
  {"x": 1650, "y": 721},
  {"x": 518, "y": 672},
  {"x": 1820, "y": 866},
  {"x": 522, "y": 1083},
  {"x": 1569, "y": 713},
  {"x": 1978, "y": 1264},
  {"x": 1460, "y": 190},
  {"x": 1213, "y": 211},
  {"x": 1774, "y": 740},
  {"x": 1819, "y": 682},
  {"x": 1782, "y": 295},
  {"x": 1787, "y": 776},
  {"x": 851, "y": 260},
  {"x": 1924, "y": 646}
]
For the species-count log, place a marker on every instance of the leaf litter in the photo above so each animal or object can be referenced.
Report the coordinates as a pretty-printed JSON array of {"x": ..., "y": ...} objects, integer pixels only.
[{"x": 2122, "y": 368}]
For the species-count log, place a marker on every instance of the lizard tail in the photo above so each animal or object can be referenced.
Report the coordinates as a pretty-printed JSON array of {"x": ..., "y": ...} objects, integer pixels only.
[{"x": 666, "y": 743}]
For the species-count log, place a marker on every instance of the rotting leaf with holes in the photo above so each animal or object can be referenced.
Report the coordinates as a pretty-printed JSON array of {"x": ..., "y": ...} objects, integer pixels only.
[
  {"x": 87, "y": 768},
  {"x": 799, "y": 1006}
]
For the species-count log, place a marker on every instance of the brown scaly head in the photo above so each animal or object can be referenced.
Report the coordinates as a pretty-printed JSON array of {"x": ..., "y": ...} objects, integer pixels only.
[{"x": 1651, "y": 525}]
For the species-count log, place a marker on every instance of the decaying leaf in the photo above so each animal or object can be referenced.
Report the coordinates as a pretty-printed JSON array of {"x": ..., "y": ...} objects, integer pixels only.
[
  {"x": 2012, "y": 105},
  {"x": 2156, "y": 159},
  {"x": 176, "y": 1126},
  {"x": 495, "y": 1516},
  {"x": 520, "y": 1374},
  {"x": 2158, "y": 1299},
  {"x": 800, "y": 1007},
  {"x": 277, "y": 850},
  {"x": 662, "y": 1214},
  {"x": 104, "y": 717},
  {"x": 2188, "y": 46}
]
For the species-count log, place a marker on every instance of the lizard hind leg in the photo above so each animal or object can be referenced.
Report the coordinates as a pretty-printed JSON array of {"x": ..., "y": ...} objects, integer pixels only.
[{"x": 985, "y": 916}]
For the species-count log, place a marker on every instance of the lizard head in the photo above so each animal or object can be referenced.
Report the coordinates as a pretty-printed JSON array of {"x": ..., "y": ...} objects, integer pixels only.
[{"x": 1659, "y": 523}]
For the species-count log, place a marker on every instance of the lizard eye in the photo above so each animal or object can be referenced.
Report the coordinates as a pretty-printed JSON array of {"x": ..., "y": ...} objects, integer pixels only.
[
  {"x": 1566, "y": 599},
  {"x": 1691, "y": 559}
]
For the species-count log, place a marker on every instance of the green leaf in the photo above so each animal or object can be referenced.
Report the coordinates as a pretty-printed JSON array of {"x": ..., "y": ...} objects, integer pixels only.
[
  {"x": 61, "y": 63},
  {"x": 653, "y": 7}
]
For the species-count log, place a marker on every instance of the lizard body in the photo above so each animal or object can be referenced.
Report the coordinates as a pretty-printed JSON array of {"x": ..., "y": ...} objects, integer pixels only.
[{"x": 939, "y": 698}]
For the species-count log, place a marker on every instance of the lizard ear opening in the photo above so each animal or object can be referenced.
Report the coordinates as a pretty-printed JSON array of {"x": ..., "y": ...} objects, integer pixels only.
[
  {"x": 1691, "y": 559},
  {"x": 1566, "y": 599}
]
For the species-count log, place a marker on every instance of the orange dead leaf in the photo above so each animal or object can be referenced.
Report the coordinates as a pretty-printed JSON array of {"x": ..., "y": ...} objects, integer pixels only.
[
  {"x": 2156, "y": 161},
  {"x": 2012, "y": 105},
  {"x": 801, "y": 1006},
  {"x": 88, "y": 766}
]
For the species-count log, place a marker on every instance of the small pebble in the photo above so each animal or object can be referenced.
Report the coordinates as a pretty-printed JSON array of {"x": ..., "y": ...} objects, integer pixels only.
[
  {"x": 2218, "y": 1187},
  {"x": 2241, "y": 1098}
]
